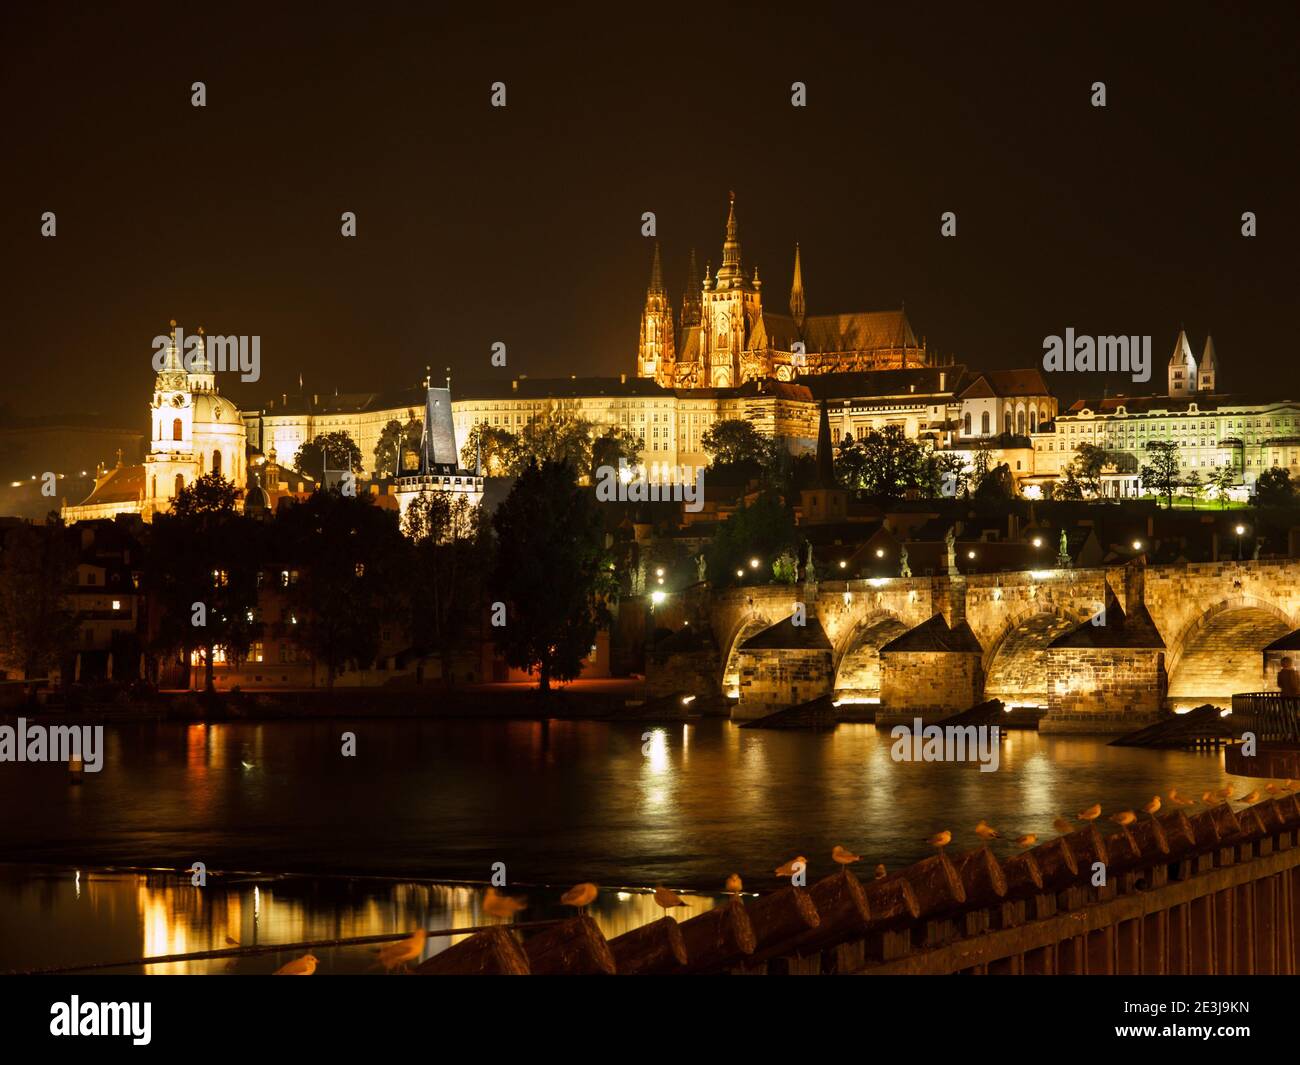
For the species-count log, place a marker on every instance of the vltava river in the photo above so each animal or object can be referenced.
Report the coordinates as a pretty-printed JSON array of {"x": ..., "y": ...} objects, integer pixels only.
[{"x": 425, "y": 805}]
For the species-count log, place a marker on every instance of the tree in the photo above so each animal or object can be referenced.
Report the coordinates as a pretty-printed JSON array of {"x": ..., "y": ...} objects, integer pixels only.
[
  {"x": 37, "y": 573},
  {"x": 1222, "y": 480},
  {"x": 337, "y": 450},
  {"x": 944, "y": 473},
  {"x": 1068, "y": 487},
  {"x": 735, "y": 443},
  {"x": 450, "y": 554},
  {"x": 1161, "y": 471},
  {"x": 1193, "y": 487},
  {"x": 613, "y": 444},
  {"x": 354, "y": 564},
  {"x": 996, "y": 486},
  {"x": 892, "y": 462},
  {"x": 551, "y": 571},
  {"x": 1274, "y": 488},
  {"x": 553, "y": 436},
  {"x": 763, "y": 530},
  {"x": 491, "y": 445},
  {"x": 1090, "y": 462},
  {"x": 393, "y": 441},
  {"x": 202, "y": 569}
]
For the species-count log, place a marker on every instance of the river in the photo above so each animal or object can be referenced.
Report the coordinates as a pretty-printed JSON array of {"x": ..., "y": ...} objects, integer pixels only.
[{"x": 301, "y": 842}]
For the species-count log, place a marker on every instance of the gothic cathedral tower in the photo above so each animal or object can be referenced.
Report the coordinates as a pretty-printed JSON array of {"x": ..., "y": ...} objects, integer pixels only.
[
  {"x": 655, "y": 353},
  {"x": 731, "y": 306}
]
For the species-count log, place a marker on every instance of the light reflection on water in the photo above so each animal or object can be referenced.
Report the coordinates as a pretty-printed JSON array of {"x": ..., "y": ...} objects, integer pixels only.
[
  {"x": 55, "y": 918},
  {"x": 430, "y": 802}
]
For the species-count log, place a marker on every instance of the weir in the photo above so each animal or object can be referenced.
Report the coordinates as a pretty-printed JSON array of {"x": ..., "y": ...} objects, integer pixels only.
[{"x": 1213, "y": 893}]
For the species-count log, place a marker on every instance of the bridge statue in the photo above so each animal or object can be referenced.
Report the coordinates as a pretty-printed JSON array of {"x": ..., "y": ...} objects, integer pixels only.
[
  {"x": 950, "y": 539},
  {"x": 701, "y": 567},
  {"x": 904, "y": 570},
  {"x": 1063, "y": 553},
  {"x": 808, "y": 572}
]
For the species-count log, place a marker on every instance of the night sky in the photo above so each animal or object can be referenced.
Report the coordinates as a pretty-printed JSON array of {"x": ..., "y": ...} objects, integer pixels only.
[{"x": 523, "y": 225}]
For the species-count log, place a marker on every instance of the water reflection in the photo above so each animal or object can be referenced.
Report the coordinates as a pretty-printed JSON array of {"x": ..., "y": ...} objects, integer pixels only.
[
  {"x": 437, "y": 803},
  {"x": 58, "y": 918}
]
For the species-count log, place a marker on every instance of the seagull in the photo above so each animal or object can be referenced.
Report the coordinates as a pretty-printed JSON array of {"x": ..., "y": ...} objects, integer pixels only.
[
  {"x": 881, "y": 871},
  {"x": 1227, "y": 789},
  {"x": 667, "y": 898},
  {"x": 789, "y": 868},
  {"x": 734, "y": 884},
  {"x": 304, "y": 966},
  {"x": 1207, "y": 797},
  {"x": 1153, "y": 807},
  {"x": 580, "y": 896},
  {"x": 1178, "y": 800},
  {"x": 1062, "y": 826},
  {"x": 1253, "y": 797},
  {"x": 844, "y": 857},
  {"x": 985, "y": 832},
  {"x": 1091, "y": 813},
  {"x": 940, "y": 839},
  {"x": 391, "y": 955},
  {"x": 497, "y": 905},
  {"x": 1124, "y": 817},
  {"x": 1027, "y": 840}
]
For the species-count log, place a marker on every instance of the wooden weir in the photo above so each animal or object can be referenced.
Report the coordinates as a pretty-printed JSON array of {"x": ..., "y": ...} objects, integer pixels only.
[{"x": 1214, "y": 892}]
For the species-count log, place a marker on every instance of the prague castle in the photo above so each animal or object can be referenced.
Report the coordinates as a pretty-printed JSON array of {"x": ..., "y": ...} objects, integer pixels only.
[{"x": 723, "y": 336}]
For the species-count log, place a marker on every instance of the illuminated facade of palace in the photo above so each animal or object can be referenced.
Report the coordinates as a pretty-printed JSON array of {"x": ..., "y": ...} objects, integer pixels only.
[
  {"x": 193, "y": 431},
  {"x": 724, "y": 337},
  {"x": 1213, "y": 430}
]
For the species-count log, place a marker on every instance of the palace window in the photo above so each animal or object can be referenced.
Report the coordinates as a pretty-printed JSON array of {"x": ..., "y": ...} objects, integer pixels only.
[{"x": 177, "y": 430}]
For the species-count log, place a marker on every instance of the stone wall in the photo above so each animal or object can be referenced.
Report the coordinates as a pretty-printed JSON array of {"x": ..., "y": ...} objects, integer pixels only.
[
  {"x": 772, "y": 679},
  {"x": 683, "y": 671},
  {"x": 1103, "y": 689},
  {"x": 931, "y": 682}
]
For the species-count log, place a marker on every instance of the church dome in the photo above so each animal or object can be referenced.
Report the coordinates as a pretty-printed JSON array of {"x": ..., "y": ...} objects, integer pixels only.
[{"x": 212, "y": 409}]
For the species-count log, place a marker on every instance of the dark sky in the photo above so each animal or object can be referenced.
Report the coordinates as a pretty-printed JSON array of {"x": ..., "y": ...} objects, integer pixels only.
[{"x": 522, "y": 225}]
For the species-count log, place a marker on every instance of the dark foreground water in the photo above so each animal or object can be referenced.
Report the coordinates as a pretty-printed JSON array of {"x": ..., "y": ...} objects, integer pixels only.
[{"x": 376, "y": 840}]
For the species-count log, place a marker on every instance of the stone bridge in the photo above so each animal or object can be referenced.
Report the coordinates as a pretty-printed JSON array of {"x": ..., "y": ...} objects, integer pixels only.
[{"x": 1212, "y": 622}]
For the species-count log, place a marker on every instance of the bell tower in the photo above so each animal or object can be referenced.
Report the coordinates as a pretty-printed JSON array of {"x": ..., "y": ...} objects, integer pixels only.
[
  {"x": 655, "y": 352},
  {"x": 730, "y": 305}
]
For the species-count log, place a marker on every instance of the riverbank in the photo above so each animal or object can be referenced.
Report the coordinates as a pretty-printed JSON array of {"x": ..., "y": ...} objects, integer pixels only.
[{"x": 607, "y": 700}]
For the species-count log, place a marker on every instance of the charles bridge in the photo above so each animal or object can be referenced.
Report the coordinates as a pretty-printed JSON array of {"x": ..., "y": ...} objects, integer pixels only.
[{"x": 1104, "y": 649}]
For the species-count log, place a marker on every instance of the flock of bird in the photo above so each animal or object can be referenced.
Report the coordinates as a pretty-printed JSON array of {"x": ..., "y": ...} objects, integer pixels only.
[{"x": 401, "y": 953}]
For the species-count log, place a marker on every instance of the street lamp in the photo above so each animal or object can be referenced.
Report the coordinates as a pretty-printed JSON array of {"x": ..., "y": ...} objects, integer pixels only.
[
  {"x": 740, "y": 573},
  {"x": 1241, "y": 531},
  {"x": 753, "y": 563},
  {"x": 1037, "y": 541},
  {"x": 1137, "y": 545}
]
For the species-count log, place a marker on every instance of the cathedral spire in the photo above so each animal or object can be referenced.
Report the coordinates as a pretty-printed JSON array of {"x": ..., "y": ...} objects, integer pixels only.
[
  {"x": 691, "y": 298},
  {"x": 797, "y": 309},
  {"x": 730, "y": 269},
  {"x": 656, "y": 275}
]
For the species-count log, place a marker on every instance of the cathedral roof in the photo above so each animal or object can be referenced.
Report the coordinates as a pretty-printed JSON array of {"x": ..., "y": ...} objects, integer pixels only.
[
  {"x": 123, "y": 484},
  {"x": 1182, "y": 355},
  {"x": 920, "y": 381},
  {"x": 561, "y": 388},
  {"x": 865, "y": 331}
]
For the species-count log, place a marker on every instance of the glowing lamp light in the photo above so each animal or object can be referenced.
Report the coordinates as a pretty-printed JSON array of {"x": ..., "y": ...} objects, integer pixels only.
[
  {"x": 970, "y": 554},
  {"x": 658, "y": 597},
  {"x": 843, "y": 564},
  {"x": 117, "y": 604},
  {"x": 1037, "y": 541},
  {"x": 1241, "y": 530},
  {"x": 753, "y": 563},
  {"x": 687, "y": 700},
  {"x": 1137, "y": 545},
  {"x": 880, "y": 552},
  {"x": 740, "y": 573},
  {"x": 659, "y": 572}
]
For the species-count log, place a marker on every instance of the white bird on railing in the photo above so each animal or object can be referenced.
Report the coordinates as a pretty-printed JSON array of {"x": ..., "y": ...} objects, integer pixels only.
[
  {"x": 734, "y": 884},
  {"x": 844, "y": 857},
  {"x": 304, "y": 966},
  {"x": 403, "y": 952},
  {"x": 667, "y": 898},
  {"x": 580, "y": 896}
]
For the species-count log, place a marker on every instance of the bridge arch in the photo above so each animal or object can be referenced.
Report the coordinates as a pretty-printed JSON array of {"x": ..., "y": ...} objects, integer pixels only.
[
  {"x": 857, "y": 658},
  {"x": 1015, "y": 662},
  {"x": 750, "y": 624},
  {"x": 1220, "y": 651}
]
